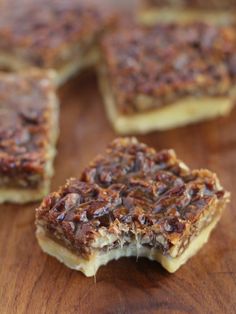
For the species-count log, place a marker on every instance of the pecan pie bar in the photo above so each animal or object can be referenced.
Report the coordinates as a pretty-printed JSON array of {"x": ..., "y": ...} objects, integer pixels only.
[
  {"x": 132, "y": 201},
  {"x": 28, "y": 133},
  {"x": 214, "y": 11},
  {"x": 165, "y": 76},
  {"x": 54, "y": 34}
]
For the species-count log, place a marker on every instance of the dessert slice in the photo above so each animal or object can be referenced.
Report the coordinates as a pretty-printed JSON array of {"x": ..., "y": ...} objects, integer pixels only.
[
  {"x": 132, "y": 201},
  {"x": 214, "y": 11},
  {"x": 54, "y": 34},
  {"x": 28, "y": 133},
  {"x": 166, "y": 76}
]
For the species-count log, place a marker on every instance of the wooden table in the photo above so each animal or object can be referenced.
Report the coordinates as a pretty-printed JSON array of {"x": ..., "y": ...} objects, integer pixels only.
[{"x": 32, "y": 282}]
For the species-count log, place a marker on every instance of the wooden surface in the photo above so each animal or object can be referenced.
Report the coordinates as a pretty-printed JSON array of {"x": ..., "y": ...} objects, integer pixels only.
[{"x": 32, "y": 282}]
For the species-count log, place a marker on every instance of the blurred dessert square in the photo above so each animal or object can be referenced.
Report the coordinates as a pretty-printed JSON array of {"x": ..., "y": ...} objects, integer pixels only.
[
  {"x": 56, "y": 34},
  {"x": 167, "y": 75},
  {"x": 28, "y": 134}
]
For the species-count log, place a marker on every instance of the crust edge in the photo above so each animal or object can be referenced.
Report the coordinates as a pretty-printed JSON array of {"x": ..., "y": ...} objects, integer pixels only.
[{"x": 90, "y": 266}]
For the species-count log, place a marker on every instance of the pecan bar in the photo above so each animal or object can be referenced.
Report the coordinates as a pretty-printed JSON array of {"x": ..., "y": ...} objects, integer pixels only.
[
  {"x": 214, "y": 11},
  {"x": 56, "y": 34},
  {"x": 132, "y": 201},
  {"x": 28, "y": 133},
  {"x": 165, "y": 76}
]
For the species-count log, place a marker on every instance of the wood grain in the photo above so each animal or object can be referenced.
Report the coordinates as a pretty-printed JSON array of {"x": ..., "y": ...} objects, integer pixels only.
[{"x": 32, "y": 282}]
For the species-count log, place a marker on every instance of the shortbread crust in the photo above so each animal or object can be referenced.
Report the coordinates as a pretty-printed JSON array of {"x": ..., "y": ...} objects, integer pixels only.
[
  {"x": 62, "y": 73},
  {"x": 150, "y": 16},
  {"x": 184, "y": 11}
]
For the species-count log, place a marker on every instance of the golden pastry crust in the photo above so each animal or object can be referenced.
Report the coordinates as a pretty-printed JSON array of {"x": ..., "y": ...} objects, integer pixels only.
[
  {"x": 216, "y": 12},
  {"x": 193, "y": 4}
]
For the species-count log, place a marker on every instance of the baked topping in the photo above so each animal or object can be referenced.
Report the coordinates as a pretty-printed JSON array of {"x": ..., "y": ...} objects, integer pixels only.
[
  {"x": 24, "y": 127},
  {"x": 149, "y": 67},
  {"x": 47, "y": 28},
  {"x": 195, "y": 4},
  {"x": 131, "y": 189}
]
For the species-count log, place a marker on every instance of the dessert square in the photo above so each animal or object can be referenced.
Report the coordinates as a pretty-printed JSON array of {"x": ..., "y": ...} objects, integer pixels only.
[
  {"x": 214, "y": 11},
  {"x": 131, "y": 201},
  {"x": 56, "y": 34},
  {"x": 166, "y": 76},
  {"x": 28, "y": 134}
]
